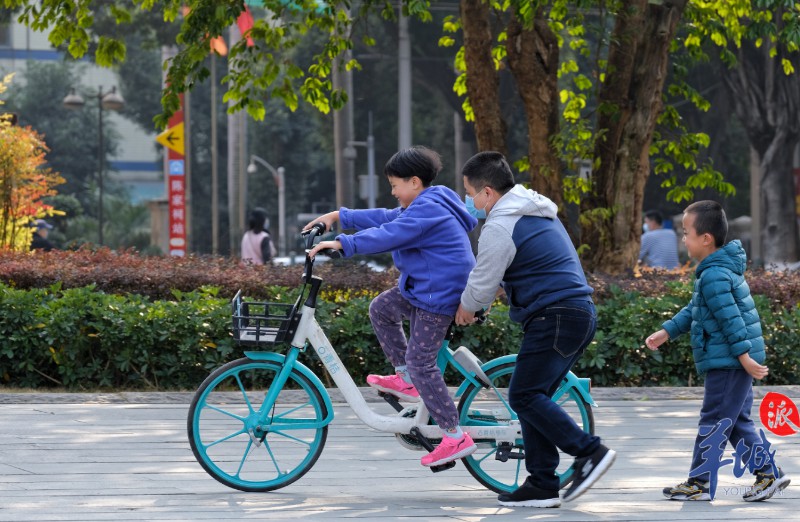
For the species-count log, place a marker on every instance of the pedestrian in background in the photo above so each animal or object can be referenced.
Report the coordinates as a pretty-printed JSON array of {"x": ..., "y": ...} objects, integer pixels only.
[
  {"x": 257, "y": 246},
  {"x": 40, "y": 241},
  {"x": 659, "y": 245}
]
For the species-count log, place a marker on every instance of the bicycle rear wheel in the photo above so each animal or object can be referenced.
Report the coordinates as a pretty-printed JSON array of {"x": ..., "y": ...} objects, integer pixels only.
[
  {"x": 489, "y": 407},
  {"x": 237, "y": 450}
]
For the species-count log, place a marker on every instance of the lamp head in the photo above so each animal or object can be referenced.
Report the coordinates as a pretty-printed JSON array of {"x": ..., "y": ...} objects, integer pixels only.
[
  {"x": 112, "y": 101},
  {"x": 73, "y": 100},
  {"x": 251, "y": 169}
]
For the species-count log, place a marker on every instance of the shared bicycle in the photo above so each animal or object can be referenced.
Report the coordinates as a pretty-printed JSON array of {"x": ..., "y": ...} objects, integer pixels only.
[{"x": 259, "y": 423}]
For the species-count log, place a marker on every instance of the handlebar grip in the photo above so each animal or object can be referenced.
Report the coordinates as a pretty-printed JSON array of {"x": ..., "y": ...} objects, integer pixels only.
[
  {"x": 317, "y": 229},
  {"x": 332, "y": 253}
]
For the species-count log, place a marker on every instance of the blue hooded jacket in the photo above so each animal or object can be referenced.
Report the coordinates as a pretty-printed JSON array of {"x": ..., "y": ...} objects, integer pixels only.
[
  {"x": 428, "y": 241},
  {"x": 722, "y": 315}
]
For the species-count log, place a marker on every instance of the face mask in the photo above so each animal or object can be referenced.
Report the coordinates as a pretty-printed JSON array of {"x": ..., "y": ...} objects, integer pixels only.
[
  {"x": 478, "y": 213},
  {"x": 645, "y": 228}
]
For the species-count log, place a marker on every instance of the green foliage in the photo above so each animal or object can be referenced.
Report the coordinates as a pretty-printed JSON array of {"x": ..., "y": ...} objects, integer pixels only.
[
  {"x": 618, "y": 357},
  {"x": 71, "y": 136},
  {"x": 82, "y": 338},
  {"x": 60, "y": 329}
]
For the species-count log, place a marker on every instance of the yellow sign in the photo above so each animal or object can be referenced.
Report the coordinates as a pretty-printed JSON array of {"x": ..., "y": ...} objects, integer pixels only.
[{"x": 172, "y": 138}]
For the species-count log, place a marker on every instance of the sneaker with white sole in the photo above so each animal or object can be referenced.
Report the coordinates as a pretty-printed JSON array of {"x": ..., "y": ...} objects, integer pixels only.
[
  {"x": 587, "y": 470},
  {"x": 394, "y": 385},
  {"x": 767, "y": 484},
  {"x": 449, "y": 450},
  {"x": 692, "y": 489},
  {"x": 528, "y": 495}
]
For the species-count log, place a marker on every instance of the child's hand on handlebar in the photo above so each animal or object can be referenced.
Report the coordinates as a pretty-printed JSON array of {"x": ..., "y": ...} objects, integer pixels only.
[
  {"x": 328, "y": 219},
  {"x": 334, "y": 245}
]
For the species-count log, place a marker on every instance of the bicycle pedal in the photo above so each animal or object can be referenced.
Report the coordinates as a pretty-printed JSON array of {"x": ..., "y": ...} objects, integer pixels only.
[
  {"x": 392, "y": 400},
  {"x": 505, "y": 452},
  {"x": 443, "y": 467},
  {"x": 425, "y": 443}
]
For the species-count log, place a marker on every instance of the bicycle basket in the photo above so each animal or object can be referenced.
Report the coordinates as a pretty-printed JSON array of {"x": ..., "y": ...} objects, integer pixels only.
[{"x": 263, "y": 323}]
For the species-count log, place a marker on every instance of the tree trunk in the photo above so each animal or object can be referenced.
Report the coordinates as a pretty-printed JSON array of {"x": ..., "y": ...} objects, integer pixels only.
[
  {"x": 533, "y": 60},
  {"x": 483, "y": 82},
  {"x": 767, "y": 102},
  {"x": 630, "y": 102}
]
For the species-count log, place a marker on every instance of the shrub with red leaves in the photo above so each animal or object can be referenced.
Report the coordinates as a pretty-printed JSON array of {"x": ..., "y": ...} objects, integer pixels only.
[
  {"x": 125, "y": 272},
  {"x": 782, "y": 289}
]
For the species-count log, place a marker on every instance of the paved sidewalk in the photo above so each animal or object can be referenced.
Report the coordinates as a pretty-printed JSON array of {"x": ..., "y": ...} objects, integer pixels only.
[{"x": 120, "y": 457}]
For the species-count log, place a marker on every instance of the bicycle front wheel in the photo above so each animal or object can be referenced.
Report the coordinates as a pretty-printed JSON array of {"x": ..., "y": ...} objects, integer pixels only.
[
  {"x": 239, "y": 450},
  {"x": 489, "y": 407}
]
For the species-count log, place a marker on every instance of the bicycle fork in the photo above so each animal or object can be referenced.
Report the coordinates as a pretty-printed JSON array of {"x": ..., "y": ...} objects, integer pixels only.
[{"x": 261, "y": 421}]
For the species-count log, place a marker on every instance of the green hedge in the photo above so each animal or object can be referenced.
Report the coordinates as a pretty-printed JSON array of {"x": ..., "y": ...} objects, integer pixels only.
[{"x": 82, "y": 338}]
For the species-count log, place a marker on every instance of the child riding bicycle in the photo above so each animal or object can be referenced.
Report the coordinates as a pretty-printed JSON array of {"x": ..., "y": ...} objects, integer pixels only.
[{"x": 427, "y": 235}]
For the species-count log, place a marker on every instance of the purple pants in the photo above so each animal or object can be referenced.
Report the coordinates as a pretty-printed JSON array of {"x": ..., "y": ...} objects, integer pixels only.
[{"x": 427, "y": 331}]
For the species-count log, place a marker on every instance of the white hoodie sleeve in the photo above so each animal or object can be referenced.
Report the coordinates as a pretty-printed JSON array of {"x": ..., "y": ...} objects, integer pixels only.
[
  {"x": 496, "y": 248},
  {"x": 496, "y": 251}
]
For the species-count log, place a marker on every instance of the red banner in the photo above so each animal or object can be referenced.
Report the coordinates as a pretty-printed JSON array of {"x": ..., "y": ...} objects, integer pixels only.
[{"x": 176, "y": 190}]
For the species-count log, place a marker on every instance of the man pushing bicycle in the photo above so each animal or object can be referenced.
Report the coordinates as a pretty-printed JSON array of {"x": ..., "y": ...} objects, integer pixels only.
[{"x": 525, "y": 248}]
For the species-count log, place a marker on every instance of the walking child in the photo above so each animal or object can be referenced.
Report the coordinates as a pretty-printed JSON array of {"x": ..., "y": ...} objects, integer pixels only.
[{"x": 728, "y": 349}]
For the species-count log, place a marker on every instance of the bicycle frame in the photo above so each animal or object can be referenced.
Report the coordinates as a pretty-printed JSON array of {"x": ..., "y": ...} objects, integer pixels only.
[
  {"x": 310, "y": 332},
  {"x": 264, "y": 446}
]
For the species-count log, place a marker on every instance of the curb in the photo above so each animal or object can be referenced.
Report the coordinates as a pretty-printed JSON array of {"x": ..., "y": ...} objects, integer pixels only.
[{"x": 599, "y": 394}]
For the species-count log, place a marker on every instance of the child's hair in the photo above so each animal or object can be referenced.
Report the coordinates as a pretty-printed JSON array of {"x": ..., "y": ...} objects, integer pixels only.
[
  {"x": 418, "y": 161},
  {"x": 709, "y": 218},
  {"x": 489, "y": 169}
]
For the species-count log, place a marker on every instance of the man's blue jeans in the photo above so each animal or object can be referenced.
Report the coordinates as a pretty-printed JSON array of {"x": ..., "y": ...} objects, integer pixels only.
[{"x": 554, "y": 340}]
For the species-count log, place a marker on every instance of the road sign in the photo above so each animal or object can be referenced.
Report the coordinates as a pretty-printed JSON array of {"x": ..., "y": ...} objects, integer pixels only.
[
  {"x": 175, "y": 166},
  {"x": 172, "y": 138}
]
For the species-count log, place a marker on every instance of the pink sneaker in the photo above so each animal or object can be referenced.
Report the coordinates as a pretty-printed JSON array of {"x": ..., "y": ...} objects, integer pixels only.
[
  {"x": 394, "y": 385},
  {"x": 450, "y": 449}
]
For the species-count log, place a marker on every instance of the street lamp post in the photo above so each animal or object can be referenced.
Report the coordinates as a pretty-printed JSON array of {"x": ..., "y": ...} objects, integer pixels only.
[
  {"x": 111, "y": 101},
  {"x": 280, "y": 179},
  {"x": 369, "y": 183}
]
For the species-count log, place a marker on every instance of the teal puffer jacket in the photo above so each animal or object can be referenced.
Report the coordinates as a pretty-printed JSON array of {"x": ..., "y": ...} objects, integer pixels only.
[{"x": 722, "y": 315}]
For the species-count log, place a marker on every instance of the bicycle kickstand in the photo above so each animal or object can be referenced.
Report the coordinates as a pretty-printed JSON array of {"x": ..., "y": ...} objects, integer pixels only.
[{"x": 425, "y": 443}]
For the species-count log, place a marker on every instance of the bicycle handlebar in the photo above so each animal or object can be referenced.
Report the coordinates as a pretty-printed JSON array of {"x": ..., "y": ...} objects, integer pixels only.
[
  {"x": 317, "y": 229},
  {"x": 331, "y": 253}
]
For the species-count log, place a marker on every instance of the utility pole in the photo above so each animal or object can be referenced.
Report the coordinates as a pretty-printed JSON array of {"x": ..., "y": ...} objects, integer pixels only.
[
  {"x": 345, "y": 154},
  {"x": 404, "y": 137},
  {"x": 214, "y": 160},
  {"x": 368, "y": 184},
  {"x": 235, "y": 164}
]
